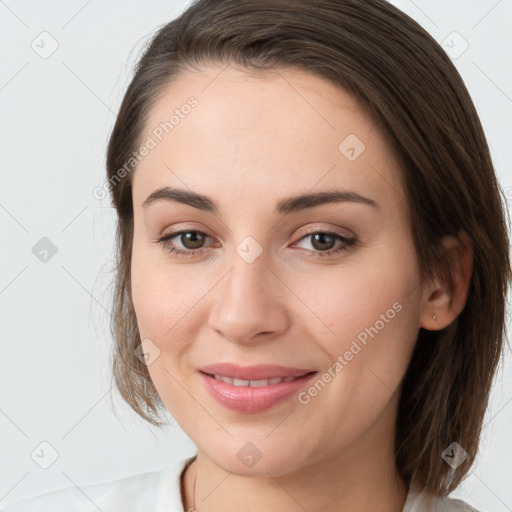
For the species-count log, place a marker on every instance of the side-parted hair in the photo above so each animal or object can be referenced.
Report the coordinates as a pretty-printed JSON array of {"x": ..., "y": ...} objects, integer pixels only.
[{"x": 402, "y": 77}]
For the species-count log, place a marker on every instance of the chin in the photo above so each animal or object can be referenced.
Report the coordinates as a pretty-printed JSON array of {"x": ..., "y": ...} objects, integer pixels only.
[{"x": 258, "y": 459}]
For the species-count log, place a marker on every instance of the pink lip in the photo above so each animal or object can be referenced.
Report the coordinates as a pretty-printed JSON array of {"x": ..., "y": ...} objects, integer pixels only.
[
  {"x": 257, "y": 372},
  {"x": 253, "y": 399}
]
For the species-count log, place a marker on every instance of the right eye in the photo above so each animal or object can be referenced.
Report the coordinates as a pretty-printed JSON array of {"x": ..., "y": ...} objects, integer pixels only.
[{"x": 191, "y": 241}]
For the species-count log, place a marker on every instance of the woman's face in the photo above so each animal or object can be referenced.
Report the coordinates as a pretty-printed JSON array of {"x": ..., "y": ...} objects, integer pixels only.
[{"x": 328, "y": 288}]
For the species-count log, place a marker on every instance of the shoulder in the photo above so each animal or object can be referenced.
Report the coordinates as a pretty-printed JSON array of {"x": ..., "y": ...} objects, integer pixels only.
[
  {"x": 136, "y": 493},
  {"x": 419, "y": 501},
  {"x": 145, "y": 492},
  {"x": 451, "y": 504}
]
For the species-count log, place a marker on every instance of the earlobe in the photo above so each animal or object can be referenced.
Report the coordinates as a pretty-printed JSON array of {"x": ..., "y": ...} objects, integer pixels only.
[{"x": 443, "y": 304}]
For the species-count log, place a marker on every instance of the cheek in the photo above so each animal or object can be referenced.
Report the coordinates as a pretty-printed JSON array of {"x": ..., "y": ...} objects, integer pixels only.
[
  {"x": 162, "y": 303},
  {"x": 374, "y": 316},
  {"x": 159, "y": 303},
  {"x": 166, "y": 298},
  {"x": 351, "y": 297},
  {"x": 152, "y": 295}
]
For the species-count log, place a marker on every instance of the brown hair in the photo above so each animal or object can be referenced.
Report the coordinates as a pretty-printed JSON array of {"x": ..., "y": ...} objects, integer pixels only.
[{"x": 404, "y": 79}]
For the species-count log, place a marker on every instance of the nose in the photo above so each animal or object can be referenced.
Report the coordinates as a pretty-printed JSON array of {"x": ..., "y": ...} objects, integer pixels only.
[{"x": 250, "y": 304}]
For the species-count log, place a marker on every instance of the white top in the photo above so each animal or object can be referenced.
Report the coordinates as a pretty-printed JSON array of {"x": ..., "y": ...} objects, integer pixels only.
[{"x": 159, "y": 491}]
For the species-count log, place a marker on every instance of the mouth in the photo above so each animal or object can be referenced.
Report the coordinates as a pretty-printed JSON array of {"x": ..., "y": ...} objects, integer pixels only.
[
  {"x": 253, "y": 383},
  {"x": 253, "y": 389},
  {"x": 254, "y": 373}
]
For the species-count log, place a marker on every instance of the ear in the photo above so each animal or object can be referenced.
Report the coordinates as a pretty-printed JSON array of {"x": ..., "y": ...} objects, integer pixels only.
[{"x": 437, "y": 299}]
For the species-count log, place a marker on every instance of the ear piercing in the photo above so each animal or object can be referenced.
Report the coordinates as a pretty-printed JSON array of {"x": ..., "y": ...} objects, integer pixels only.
[{"x": 434, "y": 316}]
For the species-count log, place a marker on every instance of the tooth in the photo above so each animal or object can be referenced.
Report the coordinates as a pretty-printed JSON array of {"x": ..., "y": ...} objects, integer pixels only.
[
  {"x": 253, "y": 383},
  {"x": 257, "y": 383},
  {"x": 240, "y": 382}
]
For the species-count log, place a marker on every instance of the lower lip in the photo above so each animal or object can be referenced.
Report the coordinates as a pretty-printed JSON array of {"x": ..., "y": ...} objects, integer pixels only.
[{"x": 252, "y": 399}]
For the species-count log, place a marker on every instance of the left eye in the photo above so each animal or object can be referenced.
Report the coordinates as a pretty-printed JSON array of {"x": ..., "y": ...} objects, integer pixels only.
[
  {"x": 192, "y": 241},
  {"x": 324, "y": 241}
]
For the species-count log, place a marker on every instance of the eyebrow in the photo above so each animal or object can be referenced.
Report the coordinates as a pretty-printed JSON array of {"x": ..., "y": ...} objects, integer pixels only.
[{"x": 283, "y": 207}]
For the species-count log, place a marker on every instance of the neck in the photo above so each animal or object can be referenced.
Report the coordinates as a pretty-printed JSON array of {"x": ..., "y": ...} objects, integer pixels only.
[{"x": 346, "y": 481}]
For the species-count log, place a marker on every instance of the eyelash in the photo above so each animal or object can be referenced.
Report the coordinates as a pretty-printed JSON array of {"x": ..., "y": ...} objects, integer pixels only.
[{"x": 348, "y": 243}]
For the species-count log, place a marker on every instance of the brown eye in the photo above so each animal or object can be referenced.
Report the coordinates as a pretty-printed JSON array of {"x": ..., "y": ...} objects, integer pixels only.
[
  {"x": 183, "y": 243},
  {"x": 192, "y": 239},
  {"x": 322, "y": 241}
]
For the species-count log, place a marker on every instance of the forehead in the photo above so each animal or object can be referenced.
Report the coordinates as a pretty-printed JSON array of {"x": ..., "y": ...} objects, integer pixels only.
[{"x": 285, "y": 130}]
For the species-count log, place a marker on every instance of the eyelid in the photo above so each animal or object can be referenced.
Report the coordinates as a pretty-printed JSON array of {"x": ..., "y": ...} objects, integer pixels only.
[
  {"x": 311, "y": 230},
  {"x": 302, "y": 232},
  {"x": 185, "y": 227},
  {"x": 177, "y": 230},
  {"x": 348, "y": 241}
]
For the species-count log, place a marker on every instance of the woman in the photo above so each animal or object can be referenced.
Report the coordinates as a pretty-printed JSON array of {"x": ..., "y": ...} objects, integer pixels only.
[{"x": 312, "y": 262}]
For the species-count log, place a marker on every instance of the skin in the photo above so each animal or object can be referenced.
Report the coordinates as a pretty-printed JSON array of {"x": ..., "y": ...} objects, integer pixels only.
[{"x": 250, "y": 142}]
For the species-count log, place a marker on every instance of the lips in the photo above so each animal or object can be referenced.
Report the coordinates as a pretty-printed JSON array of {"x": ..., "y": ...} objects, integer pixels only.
[
  {"x": 252, "y": 389},
  {"x": 254, "y": 373}
]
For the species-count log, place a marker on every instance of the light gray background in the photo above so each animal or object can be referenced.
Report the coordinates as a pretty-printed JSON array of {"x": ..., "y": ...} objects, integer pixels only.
[{"x": 56, "y": 115}]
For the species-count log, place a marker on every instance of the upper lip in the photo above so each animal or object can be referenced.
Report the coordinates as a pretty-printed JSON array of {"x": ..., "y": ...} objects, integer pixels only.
[{"x": 256, "y": 372}]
